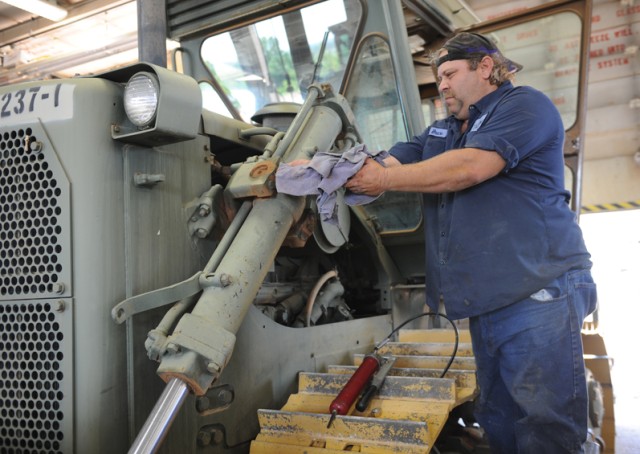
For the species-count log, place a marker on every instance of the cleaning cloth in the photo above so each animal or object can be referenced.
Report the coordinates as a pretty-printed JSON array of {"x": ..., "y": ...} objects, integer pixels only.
[{"x": 324, "y": 175}]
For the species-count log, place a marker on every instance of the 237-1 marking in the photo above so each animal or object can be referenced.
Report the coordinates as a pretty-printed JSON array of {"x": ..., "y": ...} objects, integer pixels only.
[{"x": 18, "y": 102}]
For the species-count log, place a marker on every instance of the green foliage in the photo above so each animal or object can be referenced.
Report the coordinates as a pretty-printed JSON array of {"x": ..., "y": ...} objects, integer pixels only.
[{"x": 280, "y": 66}]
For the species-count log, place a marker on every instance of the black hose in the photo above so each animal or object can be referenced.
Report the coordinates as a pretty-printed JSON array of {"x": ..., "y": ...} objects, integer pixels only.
[{"x": 455, "y": 329}]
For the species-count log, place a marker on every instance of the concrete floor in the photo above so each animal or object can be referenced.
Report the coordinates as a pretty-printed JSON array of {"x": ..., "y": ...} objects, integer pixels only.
[{"x": 614, "y": 242}]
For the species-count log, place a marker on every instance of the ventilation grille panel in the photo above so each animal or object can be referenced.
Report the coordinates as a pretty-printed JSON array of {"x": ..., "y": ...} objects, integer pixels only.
[
  {"x": 36, "y": 377},
  {"x": 34, "y": 218}
]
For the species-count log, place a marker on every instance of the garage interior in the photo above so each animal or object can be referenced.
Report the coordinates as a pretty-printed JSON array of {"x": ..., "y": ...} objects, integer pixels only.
[{"x": 92, "y": 36}]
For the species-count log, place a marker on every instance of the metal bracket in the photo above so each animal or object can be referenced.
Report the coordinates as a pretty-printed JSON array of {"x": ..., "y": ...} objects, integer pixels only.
[{"x": 156, "y": 298}]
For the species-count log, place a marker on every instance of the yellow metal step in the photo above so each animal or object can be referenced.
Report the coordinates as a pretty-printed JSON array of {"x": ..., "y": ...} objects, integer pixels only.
[
  {"x": 433, "y": 335},
  {"x": 347, "y": 433},
  {"x": 415, "y": 388},
  {"x": 433, "y": 413},
  {"x": 465, "y": 380},
  {"x": 428, "y": 362},
  {"x": 426, "y": 349},
  {"x": 406, "y": 416}
]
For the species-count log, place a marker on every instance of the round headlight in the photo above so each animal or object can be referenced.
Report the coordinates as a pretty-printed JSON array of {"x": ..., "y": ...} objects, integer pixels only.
[{"x": 141, "y": 98}]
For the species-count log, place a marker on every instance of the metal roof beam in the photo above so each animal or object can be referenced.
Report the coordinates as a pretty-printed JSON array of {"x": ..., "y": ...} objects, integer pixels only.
[{"x": 39, "y": 25}]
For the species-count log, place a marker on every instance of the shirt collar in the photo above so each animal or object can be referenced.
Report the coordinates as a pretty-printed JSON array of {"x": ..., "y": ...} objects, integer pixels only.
[
  {"x": 483, "y": 104},
  {"x": 492, "y": 97}
]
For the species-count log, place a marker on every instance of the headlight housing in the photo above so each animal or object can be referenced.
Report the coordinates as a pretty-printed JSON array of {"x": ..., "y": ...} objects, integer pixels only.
[
  {"x": 160, "y": 106},
  {"x": 141, "y": 95}
]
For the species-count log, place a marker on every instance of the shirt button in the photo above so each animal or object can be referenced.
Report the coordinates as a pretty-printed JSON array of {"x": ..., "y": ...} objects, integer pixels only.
[
  {"x": 441, "y": 233},
  {"x": 467, "y": 302}
]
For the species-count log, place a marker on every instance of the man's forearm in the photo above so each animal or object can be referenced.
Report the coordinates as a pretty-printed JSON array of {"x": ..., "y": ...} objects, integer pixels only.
[{"x": 451, "y": 171}]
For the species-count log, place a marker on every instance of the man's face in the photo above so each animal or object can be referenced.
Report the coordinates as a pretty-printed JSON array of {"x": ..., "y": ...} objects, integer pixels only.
[{"x": 462, "y": 86}]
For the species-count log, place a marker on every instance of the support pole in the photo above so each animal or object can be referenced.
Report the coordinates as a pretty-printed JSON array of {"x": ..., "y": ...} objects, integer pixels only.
[{"x": 152, "y": 32}]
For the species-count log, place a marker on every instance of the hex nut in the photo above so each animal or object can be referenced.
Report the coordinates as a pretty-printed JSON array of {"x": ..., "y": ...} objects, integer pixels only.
[{"x": 203, "y": 438}]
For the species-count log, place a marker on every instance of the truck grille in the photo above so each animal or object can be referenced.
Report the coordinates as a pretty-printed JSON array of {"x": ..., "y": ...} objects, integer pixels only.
[
  {"x": 36, "y": 328},
  {"x": 35, "y": 393},
  {"x": 30, "y": 224}
]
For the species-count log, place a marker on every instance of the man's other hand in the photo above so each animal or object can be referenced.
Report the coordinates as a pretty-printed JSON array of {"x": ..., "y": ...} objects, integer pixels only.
[{"x": 369, "y": 180}]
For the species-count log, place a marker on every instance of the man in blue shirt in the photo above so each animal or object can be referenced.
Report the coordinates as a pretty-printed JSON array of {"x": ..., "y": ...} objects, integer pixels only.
[{"x": 503, "y": 247}]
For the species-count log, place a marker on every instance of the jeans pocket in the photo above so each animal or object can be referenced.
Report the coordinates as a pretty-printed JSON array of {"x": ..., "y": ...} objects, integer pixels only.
[
  {"x": 586, "y": 297},
  {"x": 554, "y": 291},
  {"x": 584, "y": 292}
]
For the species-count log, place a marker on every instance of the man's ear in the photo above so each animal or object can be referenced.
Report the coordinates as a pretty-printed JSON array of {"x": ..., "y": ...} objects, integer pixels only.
[{"x": 486, "y": 66}]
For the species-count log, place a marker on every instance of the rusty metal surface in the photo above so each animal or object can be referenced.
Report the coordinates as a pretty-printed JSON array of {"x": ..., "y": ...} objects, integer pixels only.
[
  {"x": 430, "y": 362},
  {"x": 361, "y": 432},
  {"x": 424, "y": 349},
  {"x": 416, "y": 388}
]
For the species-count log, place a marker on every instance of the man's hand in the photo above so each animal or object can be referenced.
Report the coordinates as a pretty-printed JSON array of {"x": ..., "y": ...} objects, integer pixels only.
[
  {"x": 299, "y": 162},
  {"x": 370, "y": 179}
]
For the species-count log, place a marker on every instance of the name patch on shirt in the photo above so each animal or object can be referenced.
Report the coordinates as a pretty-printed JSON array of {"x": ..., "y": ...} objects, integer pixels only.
[
  {"x": 438, "y": 132},
  {"x": 478, "y": 123}
]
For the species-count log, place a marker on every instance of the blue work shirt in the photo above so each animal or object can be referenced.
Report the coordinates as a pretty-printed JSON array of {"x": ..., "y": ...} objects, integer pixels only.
[{"x": 498, "y": 242}]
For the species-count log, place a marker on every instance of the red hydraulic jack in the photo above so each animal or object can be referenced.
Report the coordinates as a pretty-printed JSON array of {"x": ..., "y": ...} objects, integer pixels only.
[
  {"x": 371, "y": 372},
  {"x": 376, "y": 366}
]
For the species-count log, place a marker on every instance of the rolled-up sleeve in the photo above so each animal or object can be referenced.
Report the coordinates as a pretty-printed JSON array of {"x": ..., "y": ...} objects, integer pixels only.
[
  {"x": 500, "y": 145},
  {"x": 408, "y": 152},
  {"x": 508, "y": 131}
]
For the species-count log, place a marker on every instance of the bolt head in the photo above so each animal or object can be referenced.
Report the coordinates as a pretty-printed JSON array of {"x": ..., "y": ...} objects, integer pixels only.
[
  {"x": 172, "y": 349},
  {"x": 58, "y": 287},
  {"x": 202, "y": 403},
  {"x": 204, "y": 438},
  {"x": 225, "y": 396},
  {"x": 217, "y": 436},
  {"x": 213, "y": 368}
]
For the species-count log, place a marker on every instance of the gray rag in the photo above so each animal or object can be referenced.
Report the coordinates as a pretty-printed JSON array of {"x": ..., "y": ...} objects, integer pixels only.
[{"x": 324, "y": 175}]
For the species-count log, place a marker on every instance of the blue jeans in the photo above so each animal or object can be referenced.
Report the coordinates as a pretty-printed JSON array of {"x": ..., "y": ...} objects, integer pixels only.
[{"x": 533, "y": 396}]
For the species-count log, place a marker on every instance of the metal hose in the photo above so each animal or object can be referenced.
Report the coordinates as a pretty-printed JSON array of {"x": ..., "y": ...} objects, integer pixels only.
[{"x": 314, "y": 293}]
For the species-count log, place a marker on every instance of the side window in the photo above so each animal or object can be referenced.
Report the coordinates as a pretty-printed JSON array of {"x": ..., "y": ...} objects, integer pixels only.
[
  {"x": 211, "y": 99},
  {"x": 373, "y": 95},
  {"x": 549, "y": 50}
]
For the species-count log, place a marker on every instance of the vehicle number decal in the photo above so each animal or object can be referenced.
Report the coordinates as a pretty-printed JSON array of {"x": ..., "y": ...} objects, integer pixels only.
[{"x": 47, "y": 102}]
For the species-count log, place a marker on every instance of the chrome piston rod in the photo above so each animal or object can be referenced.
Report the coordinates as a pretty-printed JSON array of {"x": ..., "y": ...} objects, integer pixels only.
[{"x": 159, "y": 421}]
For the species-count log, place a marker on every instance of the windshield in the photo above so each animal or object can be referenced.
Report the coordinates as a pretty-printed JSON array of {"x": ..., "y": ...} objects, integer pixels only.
[
  {"x": 372, "y": 92},
  {"x": 276, "y": 60}
]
